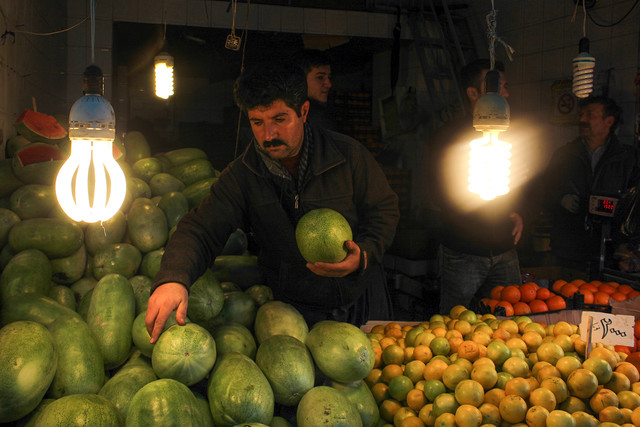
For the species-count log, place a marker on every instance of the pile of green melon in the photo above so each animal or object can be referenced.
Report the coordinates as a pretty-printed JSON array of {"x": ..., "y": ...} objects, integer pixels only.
[{"x": 74, "y": 349}]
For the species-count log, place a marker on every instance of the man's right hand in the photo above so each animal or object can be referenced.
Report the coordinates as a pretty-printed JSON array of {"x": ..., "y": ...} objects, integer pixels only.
[
  {"x": 166, "y": 298},
  {"x": 571, "y": 202}
]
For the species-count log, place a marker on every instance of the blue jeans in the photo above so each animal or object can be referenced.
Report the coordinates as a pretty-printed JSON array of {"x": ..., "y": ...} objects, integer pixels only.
[{"x": 465, "y": 279}]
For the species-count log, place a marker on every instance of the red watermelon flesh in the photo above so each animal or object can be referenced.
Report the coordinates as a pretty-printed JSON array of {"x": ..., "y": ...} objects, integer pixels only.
[{"x": 39, "y": 127}]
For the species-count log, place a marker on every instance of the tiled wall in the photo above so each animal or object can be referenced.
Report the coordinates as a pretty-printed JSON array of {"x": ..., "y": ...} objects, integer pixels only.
[
  {"x": 32, "y": 67},
  {"x": 545, "y": 37}
]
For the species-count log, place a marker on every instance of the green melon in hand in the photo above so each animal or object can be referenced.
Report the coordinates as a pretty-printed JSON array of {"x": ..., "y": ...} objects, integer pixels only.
[{"x": 321, "y": 235}]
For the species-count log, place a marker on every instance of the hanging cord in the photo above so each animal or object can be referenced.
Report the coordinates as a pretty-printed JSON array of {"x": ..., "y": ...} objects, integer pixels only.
[
  {"x": 613, "y": 23},
  {"x": 32, "y": 33},
  {"x": 244, "y": 48},
  {"x": 492, "y": 23},
  {"x": 93, "y": 31},
  {"x": 234, "y": 6},
  {"x": 584, "y": 18}
]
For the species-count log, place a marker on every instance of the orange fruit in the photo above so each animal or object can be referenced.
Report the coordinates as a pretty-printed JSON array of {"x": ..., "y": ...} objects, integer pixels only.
[
  {"x": 582, "y": 383},
  {"x": 543, "y": 294},
  {"x": 543, "y": 397},
  {"x": 601, "y": 298},
  {"x": 624, "y": 289},
  {"x": 558, "y": 284},
  {"x": 603, "y": 398},
  {"x": 629, "y": 370},
  {"x": 468, "y": 416},
  {"x": 568, "y": 290},
  {"x": 606, "y": 288},
  {"x": 513, "y": 409},
  {"x": 380, "y": 392},
  {"x": 521, "y": 308},
  {"x": 389, "y": 372},
  {"x": 496, "y": 291},
  {"x": 528, "y": 292},
  {"x": 538, "y": 306},
  {"x": 511, "y": 294},
  {"x": 587, "y": 295},
  {"x": 556, "y": 302},
  {"x": 613, "y": 284},
  {"x": 537, "y": 416},
  {"x": 508, "y": 308},
  {"x": 399, "y": 387},
  {"x": 633, "y": 294},
  {"x": 416, "y": 399},
  {"x": 469, "y": 392},
  {"x": 393, "y": 354},
  {"x": 589, "y": 287},
  {"x": 558, "y": 418},
  {"x": 617, "y": 296},
  {"x": 489, "y": 302}
]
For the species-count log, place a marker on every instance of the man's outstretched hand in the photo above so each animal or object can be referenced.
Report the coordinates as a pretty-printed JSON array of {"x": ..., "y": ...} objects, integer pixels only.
[
  {"x": 339, "y": 269},
  {"x": 166, "y": 298}
]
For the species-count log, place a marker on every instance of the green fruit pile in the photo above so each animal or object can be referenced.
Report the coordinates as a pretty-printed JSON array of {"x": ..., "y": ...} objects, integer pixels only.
[{"x": 73, "y": 298}]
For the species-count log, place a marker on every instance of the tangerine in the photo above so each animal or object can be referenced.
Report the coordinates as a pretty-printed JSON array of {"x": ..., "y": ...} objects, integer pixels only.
[
  {"x": 617, "y": 296},
  {"x": 543, "y": 294},
  {"x": 556, "y": 302},
  {"x": 568, "y": 290},
  {"x": 624, "y": 289},
  {"x": 513, "y": 409},
  {"x": 558, "y": 418},
  {"x": 496, "y": 292},
  {"x": 589, "y": 287},
  {"x": 416, "y": 399},
  {"x": 508, "y": 308},
  {"x": 587, "y": 295},
  {"x": 544, "y": 398},
  {"x": 468, "y": 416},
  {"x": 558, "y": 284},
  {"x": 537, "y": 305},
  {"x": 510, "y": 293},
  {"x": 606, "y": 288},
  {"x": 520, "y": 308},
  {"x": 528, "y": 292},
  {"x": 469, "y": 392},
  {"x": 601, "y": 298}
]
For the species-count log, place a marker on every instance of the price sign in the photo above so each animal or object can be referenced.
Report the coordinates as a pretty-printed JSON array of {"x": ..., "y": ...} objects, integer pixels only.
[{"x": 610, "y": 329}]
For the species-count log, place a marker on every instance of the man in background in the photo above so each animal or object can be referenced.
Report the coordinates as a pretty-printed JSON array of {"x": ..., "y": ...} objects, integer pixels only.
[
  {"x": 317, "y": 67},
  {"x": 478, "y": 237},
  {"x": 596, "y": 162}
]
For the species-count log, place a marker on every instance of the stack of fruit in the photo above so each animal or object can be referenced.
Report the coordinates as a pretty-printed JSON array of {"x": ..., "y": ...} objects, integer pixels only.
[
  {"x": 532, "y": 298},
  {"x": 462, "y": 369},
  {"x": 73, "y": 298}
]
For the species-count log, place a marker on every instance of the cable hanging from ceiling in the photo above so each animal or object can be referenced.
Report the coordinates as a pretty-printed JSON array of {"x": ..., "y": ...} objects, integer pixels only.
[{"x": 613, "y": 24}]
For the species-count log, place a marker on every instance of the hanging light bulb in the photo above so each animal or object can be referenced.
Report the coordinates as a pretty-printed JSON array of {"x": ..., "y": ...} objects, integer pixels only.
[
  {"x": 90, "y": 185},
  {"x": 489, "y": 161},
  {"x": 164, "y": 75},
  {"x": 583, "y": 67}
]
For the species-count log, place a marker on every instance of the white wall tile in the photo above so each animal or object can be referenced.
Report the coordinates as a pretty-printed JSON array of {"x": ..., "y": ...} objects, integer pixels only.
[
  {"x": 314, "y": 21},
  {"x": 104, "y": 33},
  {"x": 196, "y": 13},
  {"x": 176, "y": 12},
  {"x": 553, "y": 64},
  {"x": 151, "y": 11},
  {"x": 104, "y": 9},
  {"x": 220, "y": 16},
  {"x": 77, "y": 9},
  {"x": 243, "y": 20},
  {"x": 357, "y": 23},
  {"x": 269, "y": 18},
  {"x": 292, "y": 19},
  {"x": 125, "y": 10},
  {"x": 380, "y": 25},
  {"x": 336, "y": 22},
  {"x": 532, "y": 67},
  {"x": 552, "y": 34}
]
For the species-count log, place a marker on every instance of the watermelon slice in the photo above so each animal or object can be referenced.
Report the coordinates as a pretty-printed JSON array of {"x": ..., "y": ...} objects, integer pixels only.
[
  {"x": 39, "y": 127},
  {"x": 38, "y": 163}
]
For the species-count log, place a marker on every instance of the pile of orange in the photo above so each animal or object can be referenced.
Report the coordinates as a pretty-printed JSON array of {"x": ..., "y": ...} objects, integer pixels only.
[
  {"x": 518, "y": 300},
  {"x": 595, "y": 292}
]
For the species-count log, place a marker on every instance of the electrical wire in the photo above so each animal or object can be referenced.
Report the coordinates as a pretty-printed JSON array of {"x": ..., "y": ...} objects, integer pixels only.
[
  {"x": 93, "y": 31},
  {"x": 492, "y": 24},
  {"x": 244, "y": 48},
  {"x": 51, "y": 33},
  {"x": 613, "y": 23}
]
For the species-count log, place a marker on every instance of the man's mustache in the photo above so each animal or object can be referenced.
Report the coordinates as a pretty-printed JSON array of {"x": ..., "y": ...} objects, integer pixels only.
[{"x": 273, "y": 143}]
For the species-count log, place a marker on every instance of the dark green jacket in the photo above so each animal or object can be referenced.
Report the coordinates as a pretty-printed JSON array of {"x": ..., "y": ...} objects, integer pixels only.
[
  {"x": 569, "y": 172},
  {"x": 343, "y": 175}
]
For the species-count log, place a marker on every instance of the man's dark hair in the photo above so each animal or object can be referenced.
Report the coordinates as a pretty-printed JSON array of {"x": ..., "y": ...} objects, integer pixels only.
[
  {"x": 471, "y": 74},
  {"x": 309, "y": 58},
  {"x": 610, "y": 108},
  {"x": 267, "y": 82}
]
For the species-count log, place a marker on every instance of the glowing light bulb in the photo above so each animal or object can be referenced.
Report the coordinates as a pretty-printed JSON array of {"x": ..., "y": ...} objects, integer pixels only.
[
  {"x": 90, "y": 185},
  {"x": 583, "y": 67},
  {"x": 489, "y": 157},
  {"x": 164, "y": 75},
  {"x": 489, "y": 166}
]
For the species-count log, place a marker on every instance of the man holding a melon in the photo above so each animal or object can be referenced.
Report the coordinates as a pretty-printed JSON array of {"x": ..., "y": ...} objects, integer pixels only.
[{"x": 289, "y": 169}]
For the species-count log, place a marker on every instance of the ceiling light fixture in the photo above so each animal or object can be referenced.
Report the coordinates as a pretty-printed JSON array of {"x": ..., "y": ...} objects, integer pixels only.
[
  {"x": 489, "y": 157},
  {"x": 90, "y": 185}
]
